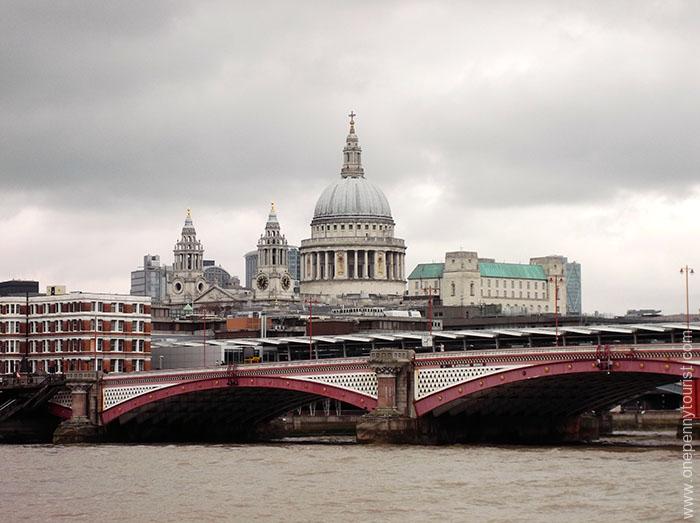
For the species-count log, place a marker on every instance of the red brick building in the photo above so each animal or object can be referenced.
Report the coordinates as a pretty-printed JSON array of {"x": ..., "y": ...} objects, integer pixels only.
[{"x": 75, "y": 331}]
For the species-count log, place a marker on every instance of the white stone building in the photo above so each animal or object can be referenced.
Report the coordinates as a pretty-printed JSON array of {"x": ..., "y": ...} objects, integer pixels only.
[
  {"x": 352, "y": 253},
  {"x": 466, "y": 279},
  {"x": 273, "y": 282}
]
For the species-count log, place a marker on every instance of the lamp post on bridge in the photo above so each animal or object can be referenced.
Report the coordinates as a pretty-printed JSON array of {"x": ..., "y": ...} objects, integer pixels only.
[
  {"x": 687, "y": 271},
  {"x": 429, "y": 291},
  {"x": 556, "y": 280},
  {"x": 310, "y": 302}
]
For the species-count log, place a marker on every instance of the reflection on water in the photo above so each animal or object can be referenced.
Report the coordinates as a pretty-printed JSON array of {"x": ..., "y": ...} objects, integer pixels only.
[{"x": 335, "y": 480}]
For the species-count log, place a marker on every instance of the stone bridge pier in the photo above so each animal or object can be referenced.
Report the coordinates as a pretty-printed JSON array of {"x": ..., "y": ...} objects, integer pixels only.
[
  {"x": 82, "y": 426},
  {"x": 394, "y": 420}
]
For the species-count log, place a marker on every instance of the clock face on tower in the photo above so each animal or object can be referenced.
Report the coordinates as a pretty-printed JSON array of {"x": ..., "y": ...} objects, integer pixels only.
[
  {"x": 262, "y": 282},
  {"x": 286, "y": 282}
]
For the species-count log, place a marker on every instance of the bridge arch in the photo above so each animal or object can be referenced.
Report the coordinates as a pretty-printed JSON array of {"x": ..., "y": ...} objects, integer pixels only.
[
  {"x": 289, "y": 393},
  {"x": 552, "y": 384}
]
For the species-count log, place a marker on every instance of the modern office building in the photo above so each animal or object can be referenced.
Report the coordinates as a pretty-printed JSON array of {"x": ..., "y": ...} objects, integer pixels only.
[
  {"x": 216, "y": 275},
  {"x": 150, "y": 280},
  {"x": 251, "y": 268},
  {"x": 572, "y": 276},
  {"x": 294, "y": 265},
  {"x": 19, "y": 287}
]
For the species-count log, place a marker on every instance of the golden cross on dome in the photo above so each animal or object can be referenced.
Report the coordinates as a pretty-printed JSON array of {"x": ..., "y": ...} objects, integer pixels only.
[
  {"x": 189, "y": 213},
  {"x": 352, "y": 116},
  {"x": 272, "y": 209}
]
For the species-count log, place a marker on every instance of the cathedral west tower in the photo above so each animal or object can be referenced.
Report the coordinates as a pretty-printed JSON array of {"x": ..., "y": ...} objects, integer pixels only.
[
  {"x": 186, "y": 280},
  {"x": 273, "y": 281}
]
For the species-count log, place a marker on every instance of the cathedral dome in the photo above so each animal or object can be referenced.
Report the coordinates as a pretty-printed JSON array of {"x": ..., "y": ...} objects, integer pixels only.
[{"x": 352, "y": 197}]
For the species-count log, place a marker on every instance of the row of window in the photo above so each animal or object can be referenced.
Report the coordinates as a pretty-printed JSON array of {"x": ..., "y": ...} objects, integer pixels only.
[
  {"x": 74, "y": 306},
  {"x": 10, "y": 327},
  {"x": 424, "y": 284},
  {"x": 497, "y": 294},
  {"x": 10, "y": 308},
  {"x": 66, "y": 365},
  {"x": 520, "y": 284},
  {"x": 78, "y": 326},
  {"x": 351, "y": 225},
  {"x": 72, "y": 345}
]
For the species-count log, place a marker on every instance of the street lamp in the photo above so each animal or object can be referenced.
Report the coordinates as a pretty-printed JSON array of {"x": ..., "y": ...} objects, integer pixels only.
[
  {"x": 311, "y": 302},
  {"x": 687, "y": 271},
  {"x": 556, "y": 280}
]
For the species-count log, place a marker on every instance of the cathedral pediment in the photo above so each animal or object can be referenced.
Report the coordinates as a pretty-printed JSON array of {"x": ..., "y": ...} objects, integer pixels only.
[{"x": 216, "y": 294}]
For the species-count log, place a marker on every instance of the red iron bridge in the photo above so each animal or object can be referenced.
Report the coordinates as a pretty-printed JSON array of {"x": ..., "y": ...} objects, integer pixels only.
[{"x": 538, "y": 394}]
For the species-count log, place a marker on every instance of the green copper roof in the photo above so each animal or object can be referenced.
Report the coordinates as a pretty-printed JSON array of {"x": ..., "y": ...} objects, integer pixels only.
[
  {"x": 512, "y": 270},
  {"x": 424, "y": 271}
]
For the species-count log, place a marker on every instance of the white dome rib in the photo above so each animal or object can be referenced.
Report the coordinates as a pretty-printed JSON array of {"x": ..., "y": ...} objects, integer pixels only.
[{"x": 352, "y": 197}]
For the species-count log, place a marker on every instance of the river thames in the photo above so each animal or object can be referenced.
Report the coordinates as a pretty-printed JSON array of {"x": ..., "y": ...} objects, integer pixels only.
[{"x": 341, "y": 481}]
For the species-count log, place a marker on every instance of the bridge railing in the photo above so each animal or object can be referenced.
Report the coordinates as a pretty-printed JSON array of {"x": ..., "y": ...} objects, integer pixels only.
[
  {"x": 11, "y": 381},
  {"x": 240, "y": 367},
  {"x": 549, "y": 351}
]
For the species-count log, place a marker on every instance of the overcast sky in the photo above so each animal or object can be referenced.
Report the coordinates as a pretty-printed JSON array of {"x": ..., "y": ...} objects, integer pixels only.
[{"x": 515, "y": 129}]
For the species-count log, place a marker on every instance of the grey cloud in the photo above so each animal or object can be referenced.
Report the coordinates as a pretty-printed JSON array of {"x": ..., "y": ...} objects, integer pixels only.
[
  {"x": 147, "y": 108},
  {"x": 125, "y": 101}
]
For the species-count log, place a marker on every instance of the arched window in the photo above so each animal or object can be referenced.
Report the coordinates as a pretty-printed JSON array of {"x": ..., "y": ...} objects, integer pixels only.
[
  {"x": 453, "y": 288},
  {"x": 471, "y": 289}
]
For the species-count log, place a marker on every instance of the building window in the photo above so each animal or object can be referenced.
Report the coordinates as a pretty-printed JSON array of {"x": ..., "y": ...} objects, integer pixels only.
[
  {"x": 471, "y": 289},
  {"x": 452, "y": 288}
]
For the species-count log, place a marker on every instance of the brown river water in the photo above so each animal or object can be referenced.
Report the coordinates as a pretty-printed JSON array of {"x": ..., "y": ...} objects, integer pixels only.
[{"x": 334, "y": 480}]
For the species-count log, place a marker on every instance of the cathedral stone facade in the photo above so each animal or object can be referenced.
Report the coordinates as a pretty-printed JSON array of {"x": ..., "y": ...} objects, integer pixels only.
[
  {"x": 185, "y": 282},
  {"x": 273, "y": 281},
  {"x": 352, "y": 252}
]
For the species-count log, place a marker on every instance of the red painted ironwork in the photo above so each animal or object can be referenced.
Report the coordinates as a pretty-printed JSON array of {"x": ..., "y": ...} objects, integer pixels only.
[
  {"x": 461, "y": 390},
  {"x": 264, "y": 382}
]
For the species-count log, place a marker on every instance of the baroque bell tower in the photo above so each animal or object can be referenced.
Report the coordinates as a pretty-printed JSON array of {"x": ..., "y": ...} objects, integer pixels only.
[
  {"x": 273, "y": 281},
  {"x": 186, "y": 281}
]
